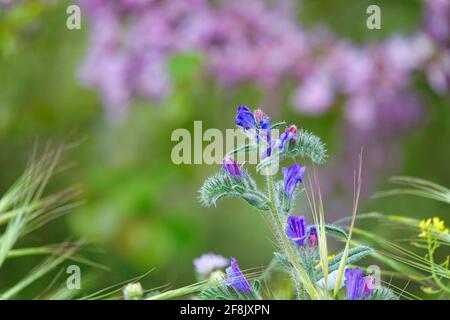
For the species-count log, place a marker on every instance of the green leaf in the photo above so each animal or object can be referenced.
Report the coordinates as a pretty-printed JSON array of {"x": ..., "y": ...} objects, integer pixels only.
[
  {"x": 256, "y": 285},
  {"x": 245, "y": 148},
  {"x": 222, "y": 185},
  {"x": 336, "y": 231},
  {"x": 38, "y": 272},
  {"x": 277, "y": 125},
  {"x": 282, "y": 259},
  {"x": 222, "y": 292},
  {"x": 354, "y": 255},
  {"x": 417, "y": 187},
  {"x": 383, "y": 293}
]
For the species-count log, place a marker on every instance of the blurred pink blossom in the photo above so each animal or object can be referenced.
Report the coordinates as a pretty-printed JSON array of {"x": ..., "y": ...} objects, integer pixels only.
[{"x": 259, "y": 42}]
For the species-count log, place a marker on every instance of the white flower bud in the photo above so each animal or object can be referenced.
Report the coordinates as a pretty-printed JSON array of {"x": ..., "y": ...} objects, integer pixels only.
[{"x": 133, "y": 291}]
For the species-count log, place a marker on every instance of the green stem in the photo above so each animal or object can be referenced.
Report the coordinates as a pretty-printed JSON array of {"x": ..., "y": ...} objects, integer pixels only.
[
  {"x": 29, "y": 252},
  {"x": 6, "y": 216},
  {"x": 432, "y": 265},
  {"x": 300, "y": 273},
  {"x": 176, "y": 293}
]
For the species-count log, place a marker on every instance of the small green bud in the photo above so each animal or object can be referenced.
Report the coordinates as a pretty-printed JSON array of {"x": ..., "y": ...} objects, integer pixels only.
[
  {"x": 133, "y": 291},
  {"x": 217, "y": 276}
]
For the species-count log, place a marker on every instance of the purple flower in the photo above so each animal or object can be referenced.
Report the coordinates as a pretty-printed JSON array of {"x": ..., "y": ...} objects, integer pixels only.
[
  {"x": 264, "y": 134},
  {"x": 312, "y": 237},
  {"x": 292, "y": 176},
  {"x": 288, "y": 135},
  {"x": 230, "y": 166},
  {"x": 296, "y": 229},
  {"x": 263, "y": 120},
  {"x": 245, "y": 118},
  {"x": 437, "y": 20},
  {"x": 353, "y": 283},
  {"x": 357, "y": 286},
  {"x": 236, "y": 278},
  {"x": 209, "y": 262}
]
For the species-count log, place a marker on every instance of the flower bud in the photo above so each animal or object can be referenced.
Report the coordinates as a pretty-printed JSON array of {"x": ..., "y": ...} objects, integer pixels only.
[
  {"x": 133, "y": 291},
  {"x": 230, "y": 166}
]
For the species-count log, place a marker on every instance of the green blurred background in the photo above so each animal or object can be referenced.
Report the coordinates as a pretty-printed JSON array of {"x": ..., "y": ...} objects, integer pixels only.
[{"x": 141, "y": 209}]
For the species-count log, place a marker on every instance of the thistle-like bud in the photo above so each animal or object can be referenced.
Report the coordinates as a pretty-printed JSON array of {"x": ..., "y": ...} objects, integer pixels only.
[{"x": 133, "y": 291}]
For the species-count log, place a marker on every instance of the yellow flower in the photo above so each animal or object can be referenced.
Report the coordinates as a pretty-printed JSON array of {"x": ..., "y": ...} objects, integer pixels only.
[
  {"x": 328, "y": 258},
  {"x": 433, "y": 225},
  {"x": 439, "y": 225}
]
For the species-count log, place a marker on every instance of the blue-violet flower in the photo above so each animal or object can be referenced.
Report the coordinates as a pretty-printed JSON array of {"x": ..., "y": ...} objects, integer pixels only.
[
  {"x": 263, "y": 120},
  {"x": 296, "y": 229},
  {"x": 288, "y": 135},
  {"x": 357, "y": 286},
  {"x": 292, "y": 176},
  {"x": 236, "y": 278},
  {"x": 245, "y": 118}
]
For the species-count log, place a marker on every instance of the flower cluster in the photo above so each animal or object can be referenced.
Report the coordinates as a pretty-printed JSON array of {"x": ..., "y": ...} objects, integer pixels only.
[
  {"x": 429, "y": 226},
  {"x": 300, "y": 252},
  {"x": 131, "y": 42}
]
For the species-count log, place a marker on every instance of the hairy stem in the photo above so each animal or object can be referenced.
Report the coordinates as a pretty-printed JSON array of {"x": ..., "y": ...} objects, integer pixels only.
[{"x": 300, "y": 273}]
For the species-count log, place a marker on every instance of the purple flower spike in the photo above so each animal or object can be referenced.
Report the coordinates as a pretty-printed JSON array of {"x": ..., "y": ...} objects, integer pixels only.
[
  {"x": 288, "y": 135},
  {"x": 296, "y": 229},
  {"x": 245, "y": 118},
  {"x": 230, "y": 166},
  {"x": 354, "y": 283},
  {"x": 292, "y": 176},
  {"x": 312, "y": 237},
  {"x": 236, "y": 278}
]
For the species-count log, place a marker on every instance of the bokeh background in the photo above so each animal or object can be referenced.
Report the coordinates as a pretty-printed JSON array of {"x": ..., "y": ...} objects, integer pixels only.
[{"x": 137, "y": 70}]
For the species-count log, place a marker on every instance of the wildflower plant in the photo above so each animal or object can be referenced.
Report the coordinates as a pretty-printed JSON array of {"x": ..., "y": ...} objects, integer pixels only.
[{"x": 301, "y": 247}]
